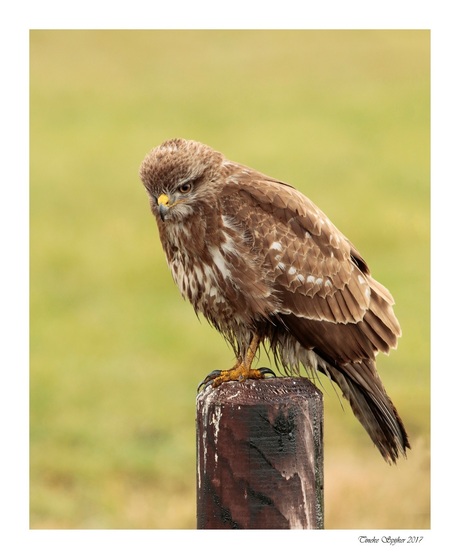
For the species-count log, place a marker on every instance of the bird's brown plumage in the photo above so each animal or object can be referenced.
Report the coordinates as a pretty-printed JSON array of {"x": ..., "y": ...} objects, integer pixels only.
[{"x": 262, "y": 263}]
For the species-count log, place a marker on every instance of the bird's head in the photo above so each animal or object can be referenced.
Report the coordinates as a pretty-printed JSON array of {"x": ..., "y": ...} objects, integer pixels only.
[{"x": 177, "y": 176}]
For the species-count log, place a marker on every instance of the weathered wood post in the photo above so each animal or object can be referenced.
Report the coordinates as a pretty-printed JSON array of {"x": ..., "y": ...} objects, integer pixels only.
[{"x": 260, "y": 455}]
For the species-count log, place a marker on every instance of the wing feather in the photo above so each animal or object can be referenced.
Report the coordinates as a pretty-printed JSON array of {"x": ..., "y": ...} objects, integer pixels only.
[{"x": 317, "y": 275}]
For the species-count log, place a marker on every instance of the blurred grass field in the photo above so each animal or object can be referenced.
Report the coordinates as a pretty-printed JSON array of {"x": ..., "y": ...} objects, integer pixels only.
[{"x": 116, "y": 354}]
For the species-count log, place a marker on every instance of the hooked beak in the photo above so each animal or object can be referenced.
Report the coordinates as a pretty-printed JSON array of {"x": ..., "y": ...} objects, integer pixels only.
[{"x": 163, "y": 206}]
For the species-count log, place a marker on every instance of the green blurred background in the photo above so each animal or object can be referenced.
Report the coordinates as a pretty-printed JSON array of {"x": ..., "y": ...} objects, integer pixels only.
[{"x": 116, "y": 354}]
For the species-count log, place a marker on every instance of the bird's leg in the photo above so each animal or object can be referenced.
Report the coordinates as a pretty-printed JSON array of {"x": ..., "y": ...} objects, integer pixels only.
[{"x": 241, "y": 371}]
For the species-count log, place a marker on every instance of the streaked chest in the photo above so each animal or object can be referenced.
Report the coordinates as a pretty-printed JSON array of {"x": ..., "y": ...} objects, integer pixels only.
[{"x": 203, "y": 268}]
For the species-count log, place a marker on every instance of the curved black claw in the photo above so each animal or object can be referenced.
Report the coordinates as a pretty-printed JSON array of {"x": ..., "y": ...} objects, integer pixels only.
[
  {"x": 267, "y": 371},
  {"x": 208, "y": 380}
]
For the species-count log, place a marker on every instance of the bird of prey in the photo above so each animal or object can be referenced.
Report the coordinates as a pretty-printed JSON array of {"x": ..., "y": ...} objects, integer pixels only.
[{"x": 264, "y": 265}]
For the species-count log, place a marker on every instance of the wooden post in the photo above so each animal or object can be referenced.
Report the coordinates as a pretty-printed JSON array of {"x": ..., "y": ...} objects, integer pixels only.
[{"x": 260, "y": 455}]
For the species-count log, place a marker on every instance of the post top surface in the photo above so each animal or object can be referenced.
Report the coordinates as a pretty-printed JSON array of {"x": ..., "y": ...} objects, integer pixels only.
[{"x": 266, "y": 391}]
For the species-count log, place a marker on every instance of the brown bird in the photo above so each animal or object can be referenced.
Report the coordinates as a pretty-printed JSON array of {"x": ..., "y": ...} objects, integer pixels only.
[{"x": 263, "y": 264}]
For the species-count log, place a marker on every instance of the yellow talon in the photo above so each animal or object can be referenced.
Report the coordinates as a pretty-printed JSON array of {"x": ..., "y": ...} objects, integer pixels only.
[{"x": 239, "y": 373}]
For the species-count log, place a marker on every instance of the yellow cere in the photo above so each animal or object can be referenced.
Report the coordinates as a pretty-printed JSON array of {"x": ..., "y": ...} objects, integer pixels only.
[{"x": 163, "y": 200}]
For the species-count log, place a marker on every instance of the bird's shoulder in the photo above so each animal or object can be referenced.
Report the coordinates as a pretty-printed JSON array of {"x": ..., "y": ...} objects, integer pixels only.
[
  {"x": 304, "y": 253},
  {"x": 267, "y": 203}
]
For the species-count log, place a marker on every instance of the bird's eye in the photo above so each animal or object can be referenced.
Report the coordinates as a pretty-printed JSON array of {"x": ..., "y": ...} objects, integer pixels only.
[{"x": 184, "y": 188}]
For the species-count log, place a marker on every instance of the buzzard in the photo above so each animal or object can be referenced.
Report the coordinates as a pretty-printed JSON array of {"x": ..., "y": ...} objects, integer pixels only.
[{"x": 264, "y": 265}]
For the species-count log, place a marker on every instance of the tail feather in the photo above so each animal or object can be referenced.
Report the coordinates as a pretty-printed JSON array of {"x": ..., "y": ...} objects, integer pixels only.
[
  {"x": 346, "y": 354},
  {"x": 371, "y": 405}
]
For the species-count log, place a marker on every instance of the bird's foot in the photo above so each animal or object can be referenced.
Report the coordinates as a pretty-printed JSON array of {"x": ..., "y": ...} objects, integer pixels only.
[{"x": 239, "y": 373}]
